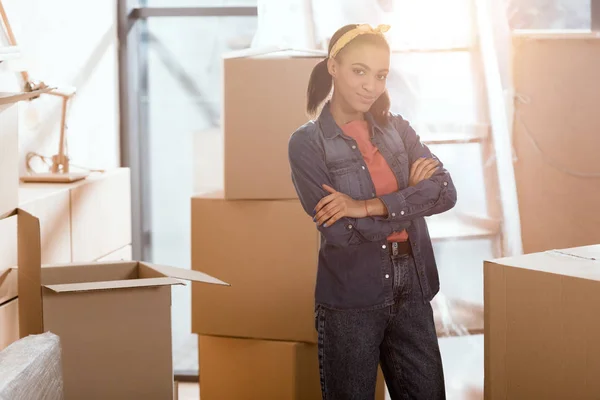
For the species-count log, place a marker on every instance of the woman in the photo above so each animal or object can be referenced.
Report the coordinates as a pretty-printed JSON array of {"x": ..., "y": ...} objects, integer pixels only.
[{"x": 368, "y": 182}]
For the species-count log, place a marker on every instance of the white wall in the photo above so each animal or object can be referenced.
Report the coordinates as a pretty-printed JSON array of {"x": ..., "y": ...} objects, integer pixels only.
[{"x": 68, "y": 43}]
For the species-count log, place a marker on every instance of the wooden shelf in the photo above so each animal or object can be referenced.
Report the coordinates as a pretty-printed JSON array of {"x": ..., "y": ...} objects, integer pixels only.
[
  {"x": 455, "y": 317},
  {"x": 453, "y": 226},
  {"x": 9, "y": 53}
]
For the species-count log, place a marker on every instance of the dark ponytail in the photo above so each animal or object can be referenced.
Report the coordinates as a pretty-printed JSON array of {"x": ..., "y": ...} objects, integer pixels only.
[
  {"x": 319, "y": 87},
  {"x": 380, "y": 110}
]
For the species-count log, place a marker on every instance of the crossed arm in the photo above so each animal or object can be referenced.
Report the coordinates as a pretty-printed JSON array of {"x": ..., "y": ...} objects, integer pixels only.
[{"x": 344, "y": 221}]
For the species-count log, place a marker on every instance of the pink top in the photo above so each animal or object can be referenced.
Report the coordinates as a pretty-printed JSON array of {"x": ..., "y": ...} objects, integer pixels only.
[{"x": 382, "y": 175}]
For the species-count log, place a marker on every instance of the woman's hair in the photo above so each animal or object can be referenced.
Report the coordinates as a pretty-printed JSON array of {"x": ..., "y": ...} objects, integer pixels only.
[{"x": 321, "y": 82}]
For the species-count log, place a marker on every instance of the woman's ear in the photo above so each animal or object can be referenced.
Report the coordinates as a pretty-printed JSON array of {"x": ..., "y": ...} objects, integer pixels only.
[{"x": 331, "y": 66}]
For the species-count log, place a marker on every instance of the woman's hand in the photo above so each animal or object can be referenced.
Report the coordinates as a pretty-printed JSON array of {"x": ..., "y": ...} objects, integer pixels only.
[
  {"x": 337, "y": 205},
  {"x": 422, "y": 169}
]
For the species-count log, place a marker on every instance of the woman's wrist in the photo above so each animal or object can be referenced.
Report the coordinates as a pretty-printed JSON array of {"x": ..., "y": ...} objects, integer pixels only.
[{"x": 375, "y": 208}]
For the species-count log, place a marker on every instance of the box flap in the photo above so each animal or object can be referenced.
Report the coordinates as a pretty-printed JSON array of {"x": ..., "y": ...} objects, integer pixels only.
[
  {"x": 11, "y": 97},
  {"x": 185, "y": 274},
  {"x": 29, "y": 274},
  {"x": 275, "y": 51},
  {"x": 112, "y": 285}
]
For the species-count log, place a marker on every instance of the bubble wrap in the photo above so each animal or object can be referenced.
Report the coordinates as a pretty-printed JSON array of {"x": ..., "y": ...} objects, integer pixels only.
[{"x": 30, "y": 369}]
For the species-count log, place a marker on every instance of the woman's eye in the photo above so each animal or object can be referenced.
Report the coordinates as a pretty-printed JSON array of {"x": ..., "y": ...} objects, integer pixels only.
[
  {"x": 359, "y": 72},
  {"x": 382, "y": 77}
]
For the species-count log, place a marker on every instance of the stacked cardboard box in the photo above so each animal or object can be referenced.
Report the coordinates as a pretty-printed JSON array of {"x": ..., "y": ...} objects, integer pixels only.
[
  {"x": 541, "y": 325},
  {"x": 258, "y": 338},
  {"x": 258, "y": 341},
  {"x": 9, "y": 193}
]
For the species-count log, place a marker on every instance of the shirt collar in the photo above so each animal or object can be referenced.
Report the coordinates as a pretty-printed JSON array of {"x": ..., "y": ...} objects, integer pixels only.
[{"x": 331, "y": 129}]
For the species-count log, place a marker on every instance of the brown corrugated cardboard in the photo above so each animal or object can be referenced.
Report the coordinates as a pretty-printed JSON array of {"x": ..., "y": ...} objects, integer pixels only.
[
  {"x": 51, "y": 205},
  {"x": 267, "y": 251},
  {"x": 100, "y": 215},
  {"x": 243, "y": 369},
  {"x": 9, "y": 323},
  {"x": 556, "y": 141},
  {"x": 541, "y": 325},
  {"x": 123, "y": 254},
  {"x": 113, "y": 319},
  {"x": 8, "y": 259},
  {"x": 9, "y": 158},
  {"x": 247, "y": 369},
  {"x": 264, "y": 103}
]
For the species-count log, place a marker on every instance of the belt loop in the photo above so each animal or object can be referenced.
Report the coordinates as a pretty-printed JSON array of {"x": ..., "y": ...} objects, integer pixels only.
[{"x": 395, "y": 249}]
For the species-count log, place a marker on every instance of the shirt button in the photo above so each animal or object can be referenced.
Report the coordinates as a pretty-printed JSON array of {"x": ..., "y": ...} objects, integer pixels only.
[
  {"x": 363, "y": 167},
  {"x": 353, "y": 146},
  {"x": 445, "y": 183},
  {"x": 387, "y": 276},
  {"x": 372, "y": 194},
  {"x": 393, "y": 214},
  {"x": 349, "y": 226},
  {"x": 384, "y": 247},
  {"x": 401, "y": 212}
]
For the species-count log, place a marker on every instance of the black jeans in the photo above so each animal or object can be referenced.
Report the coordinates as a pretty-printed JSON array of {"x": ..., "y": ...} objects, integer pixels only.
[{"x": 402, "y": 337}]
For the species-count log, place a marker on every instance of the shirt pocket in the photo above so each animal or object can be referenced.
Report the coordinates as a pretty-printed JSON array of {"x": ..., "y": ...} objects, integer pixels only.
[
  {"x": 401, "y": 167},
  {"x": 346, "y": 177}
]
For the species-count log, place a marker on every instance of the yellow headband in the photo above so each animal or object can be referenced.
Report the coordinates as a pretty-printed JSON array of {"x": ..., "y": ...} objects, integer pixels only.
[{"x": 353, "y": 33}]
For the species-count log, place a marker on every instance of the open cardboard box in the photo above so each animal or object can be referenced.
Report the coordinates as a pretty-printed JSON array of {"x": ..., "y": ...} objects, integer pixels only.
[{"x": 113, "y": 319}]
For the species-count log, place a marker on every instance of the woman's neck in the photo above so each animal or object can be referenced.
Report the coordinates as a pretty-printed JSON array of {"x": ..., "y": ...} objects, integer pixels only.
[{"x": 342, "y": 113}]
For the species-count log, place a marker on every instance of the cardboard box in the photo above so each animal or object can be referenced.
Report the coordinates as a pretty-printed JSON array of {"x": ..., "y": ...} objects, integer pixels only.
[
  {"x": 267, "y": 251},
  {"x": 242, "y": 369},
  {"x": 556, "y": 137},
  {"x": 247, "y": 369},
  {"x": 51, "y": 205},
  {"x": 541, "y": 325},
  {"x": 113, "y": 319},
  {"x": 8, "y": 259},
  {"x": 264, "y": 103},
  {"x": 9, "y": 323},
  {"x": 9, "y": 157},
  {"x": 101, "y": 215},
  {"x": 123, "y": 254}
]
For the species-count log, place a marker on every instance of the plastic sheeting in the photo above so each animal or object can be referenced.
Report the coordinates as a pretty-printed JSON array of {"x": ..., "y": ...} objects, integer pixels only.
[{"x": 30, "y": 368}]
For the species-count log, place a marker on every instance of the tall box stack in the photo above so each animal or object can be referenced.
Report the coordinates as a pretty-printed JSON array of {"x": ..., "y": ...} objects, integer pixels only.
[
  {"x": 258, "y": 338},
  {"x": 9, "y": 199}
]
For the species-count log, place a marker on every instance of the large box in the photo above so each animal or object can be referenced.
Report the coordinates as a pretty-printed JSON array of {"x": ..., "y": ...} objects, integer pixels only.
[
  {"x": 100, "y": 212},
  {"x": 52, "y": 206},
  {"x": 247, "y": 369},
  {"x": 267, "y": 251},
  {"x": 8, "y": 259},
  {"x": 264, "y": 103},
  {"x": 9, "y": 157},
  {"x": 113, "y": 319},
  {"x": 541, "y": 325},
  {"x": 556, "y": 140},
  {"x": 101, "y": 215},
  {"x": 9, "y": 322},
  {"x": 243, "y": 369}
]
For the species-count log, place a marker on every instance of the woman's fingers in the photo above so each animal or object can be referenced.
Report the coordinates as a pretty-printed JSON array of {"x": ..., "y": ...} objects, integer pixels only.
[
  {"x": 327, "y": 212},
  {"x": 333, "y": 219},
  {"x": 324, "y": 201}
]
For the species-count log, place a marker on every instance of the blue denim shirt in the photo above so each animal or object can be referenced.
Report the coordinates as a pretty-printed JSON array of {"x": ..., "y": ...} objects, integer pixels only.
[{"x": 355, "y": 269}]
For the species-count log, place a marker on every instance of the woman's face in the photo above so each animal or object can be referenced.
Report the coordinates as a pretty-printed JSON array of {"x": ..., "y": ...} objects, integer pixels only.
[{"x": 359, "y": 74}]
